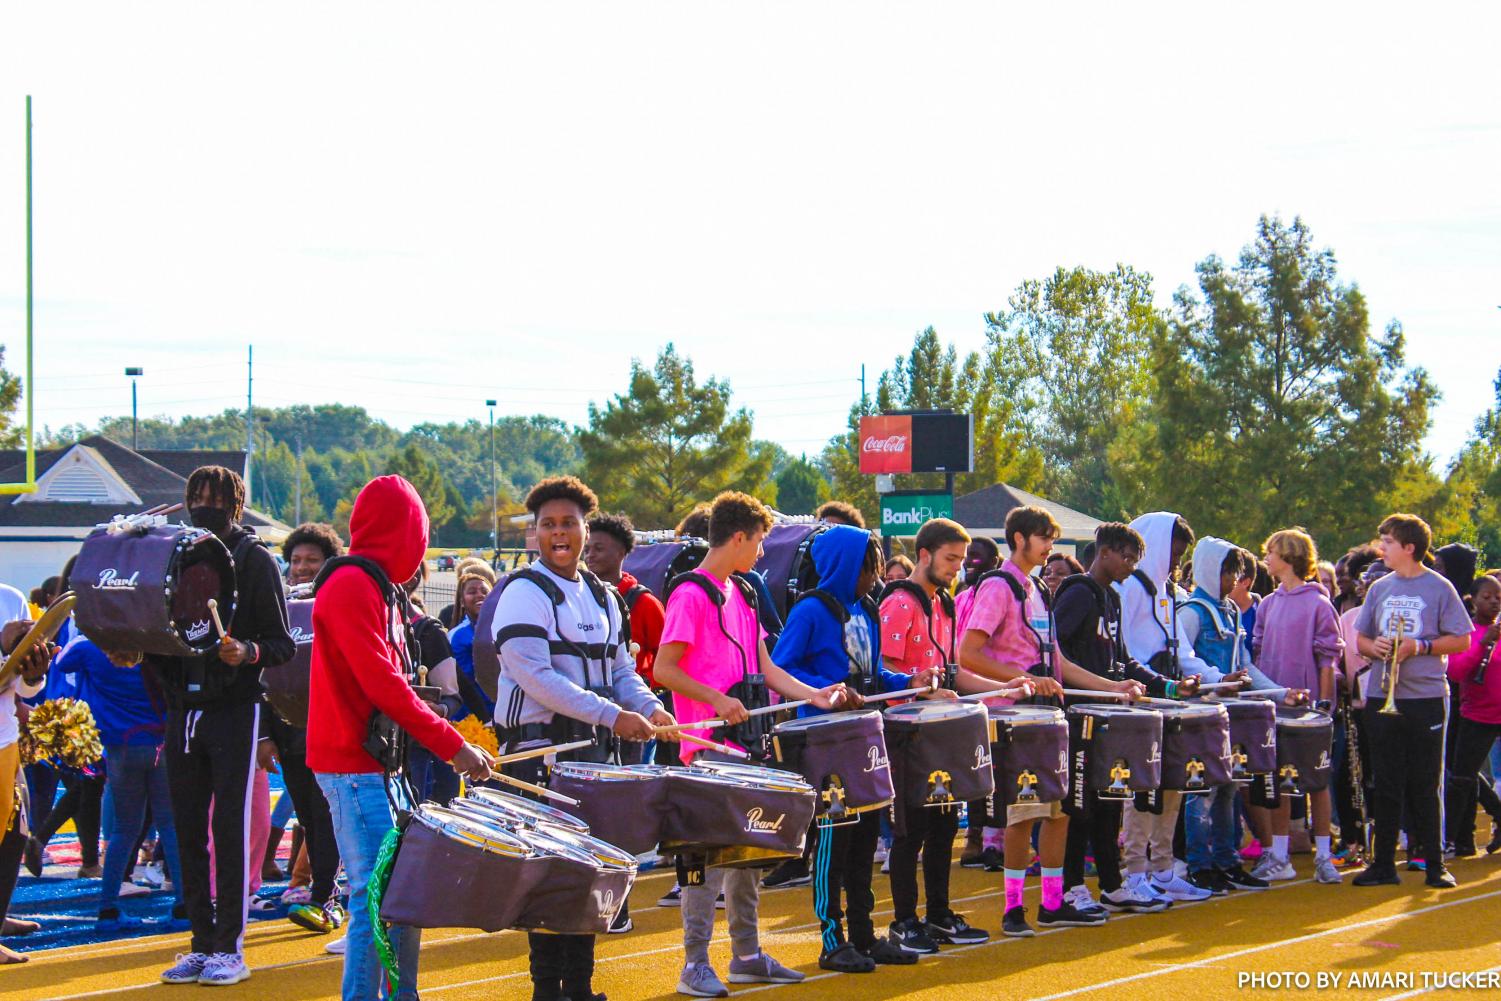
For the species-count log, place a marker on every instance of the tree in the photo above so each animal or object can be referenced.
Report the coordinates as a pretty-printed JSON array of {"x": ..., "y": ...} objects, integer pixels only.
[
  {"x": 425, "y": 476},
  {"x": 993, "y": 389},
  {"x": 1473, "y": 486},
  {"x": 1274, "y": 405},
  {"x": 668, "y": 443},
  {"x": 801, "y": 488},
  {"x": 1085, "y": 336},
  {"x": 11, "y": 435}
]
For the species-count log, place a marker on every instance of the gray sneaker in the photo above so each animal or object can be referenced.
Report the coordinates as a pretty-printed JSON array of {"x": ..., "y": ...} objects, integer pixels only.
[
  {"x": 1325, "y": 872},
  {"x": 699, "y": 980},
  {"x": 187, "y": 969},
  {"x": 1274, "y": 869},
  {"x": 762, "y": 970},
  {"x": 224, "y": 969}
]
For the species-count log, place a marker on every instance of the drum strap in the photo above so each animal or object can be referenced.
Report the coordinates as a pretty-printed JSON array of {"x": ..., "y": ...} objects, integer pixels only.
[{"x": 951, "y": 655}]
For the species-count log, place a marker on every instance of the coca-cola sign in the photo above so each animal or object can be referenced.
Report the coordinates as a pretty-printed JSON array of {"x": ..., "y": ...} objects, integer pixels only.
[
  {"x": 891, "y": 443},
  {"x": 886, "y": 444},
  {"x": 917, "y": 443}
]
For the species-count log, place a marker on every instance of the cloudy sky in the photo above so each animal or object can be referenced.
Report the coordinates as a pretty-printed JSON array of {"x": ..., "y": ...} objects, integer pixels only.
[{"x": 415, "y": 207}]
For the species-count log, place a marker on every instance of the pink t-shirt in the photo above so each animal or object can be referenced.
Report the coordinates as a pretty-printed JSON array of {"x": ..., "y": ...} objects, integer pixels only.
[
  {"x": 1013, "y": 630},
  {"x": 904, "y": 634},
  {"x": 710, "y": 658}
]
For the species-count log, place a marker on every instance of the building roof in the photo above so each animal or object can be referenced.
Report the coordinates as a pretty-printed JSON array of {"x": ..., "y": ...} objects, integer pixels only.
[
  {"x": 984, "y": 513},
  {"x": 183, "y": 461},
  {"x": 110, "y": 478}
]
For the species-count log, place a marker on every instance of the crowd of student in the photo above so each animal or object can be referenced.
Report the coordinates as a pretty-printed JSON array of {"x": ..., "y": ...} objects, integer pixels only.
[{"x": 585, "y": 650}]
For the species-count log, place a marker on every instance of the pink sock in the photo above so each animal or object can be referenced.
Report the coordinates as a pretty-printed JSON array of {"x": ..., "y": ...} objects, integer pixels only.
[
  {"x": 1052, "y": 888},
  {"x": 1016, "y": 881},
  {"x": 995, "y": 837}
]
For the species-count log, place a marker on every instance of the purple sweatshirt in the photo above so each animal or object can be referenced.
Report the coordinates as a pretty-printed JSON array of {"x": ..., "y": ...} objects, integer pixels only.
[{"x": 1297, "y": 635}]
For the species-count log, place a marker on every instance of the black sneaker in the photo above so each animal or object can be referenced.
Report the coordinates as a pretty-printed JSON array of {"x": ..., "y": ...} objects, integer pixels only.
[
  {"x": 1211, "y": 880},
  {"x": 887, "y": 954},
  {"x": 913, "y": 936},
  {"x": 1239, "y": 879},
  {"x": 952, "y": 929},
  {"x": 1066, "y": 915},
  {"x": 622, "y": 923},
  {"x": 672, "y": 898},
  {"x": 1440, "y": 878},
  {"x": 1495, "y": 844},
  {"x": 847, "y": 959},
  {"x": 1377, "y": 875},
  {"x": 972, "y": 859},
  {"x": 1465, "y": 851},
  {"x": 1014, "y": 924},
  {"x": 993, "y": 860},
  {"x": 793, "y": 872}
]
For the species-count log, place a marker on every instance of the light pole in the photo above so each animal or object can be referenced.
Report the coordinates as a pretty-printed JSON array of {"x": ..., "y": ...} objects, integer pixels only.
[
  {"x": 494, "y": 509},
  {"x": 133, "y": 373}
]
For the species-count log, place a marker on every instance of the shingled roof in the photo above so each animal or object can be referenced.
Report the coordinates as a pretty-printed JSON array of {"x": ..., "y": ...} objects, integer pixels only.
[{"x": 984, "y": 513}]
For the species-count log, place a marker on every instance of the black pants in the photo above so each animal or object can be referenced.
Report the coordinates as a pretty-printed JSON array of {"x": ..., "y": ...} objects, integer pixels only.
[
  {"x": 842, "y": 862},
  {"x": 317, "y": 824},
  {"x": 1472, "y": 746},
  {"x": 931, "y": 831},
  {"x": 12, "y": 846},
  {"x": 81, "y": 804},
  {"x": 1099, "y": 826},
  {"x": 1407, "y": 762},
  {"x": 211, "y": 757},
  {"x": 560, "y": 965}
]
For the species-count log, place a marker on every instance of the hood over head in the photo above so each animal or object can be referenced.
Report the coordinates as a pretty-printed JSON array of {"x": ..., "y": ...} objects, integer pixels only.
[
  {"x": 389, "y": 525},
  {"x": 1209, "y": 557},
  {"x": 838, "y": 555},
  {"x": 1156, "y": 531}
]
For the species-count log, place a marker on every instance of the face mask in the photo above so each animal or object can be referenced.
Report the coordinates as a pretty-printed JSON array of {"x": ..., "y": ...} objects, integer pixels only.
[{"x": 214, "y": 519}]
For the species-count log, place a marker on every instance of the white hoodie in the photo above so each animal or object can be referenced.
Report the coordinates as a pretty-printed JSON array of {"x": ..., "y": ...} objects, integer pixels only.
[{"x": 1147, "y": 619}]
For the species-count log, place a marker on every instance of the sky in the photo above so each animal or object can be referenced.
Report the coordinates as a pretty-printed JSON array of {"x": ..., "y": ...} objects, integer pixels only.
[{"x": 413, "y": 208}]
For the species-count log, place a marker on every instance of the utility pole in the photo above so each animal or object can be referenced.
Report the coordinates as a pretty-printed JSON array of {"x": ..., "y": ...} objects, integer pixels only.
[
  {"x": 133, "y": 373},
  {"x": 494, "y": 506},
  {"x": 249, "y": 416}
]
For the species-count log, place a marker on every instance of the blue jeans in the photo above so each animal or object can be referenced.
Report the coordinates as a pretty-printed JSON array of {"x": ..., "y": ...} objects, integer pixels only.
[
  {"x": 1209, "y": 828},
  {"x": 135, "y": 777},
  {"x": 362, "y": 816}
]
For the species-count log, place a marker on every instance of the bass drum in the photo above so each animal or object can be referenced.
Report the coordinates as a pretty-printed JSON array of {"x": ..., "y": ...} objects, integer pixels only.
[
  {"x": 287, "y": 684},
  {"x": 787, "y": 562},
  {"x": 656, "y": 563},
  {"x": 486, "y": 657}
]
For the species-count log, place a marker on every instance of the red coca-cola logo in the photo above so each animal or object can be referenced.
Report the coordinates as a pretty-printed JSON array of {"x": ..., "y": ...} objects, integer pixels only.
[{"x": 896, "y": 443}]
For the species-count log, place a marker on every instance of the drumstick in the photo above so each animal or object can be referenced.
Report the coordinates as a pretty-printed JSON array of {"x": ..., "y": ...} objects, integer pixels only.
[
  {"x": 1220, "y": 686},
  {"x": 213, "y": 611},
  {"x": 534, "y": 789},
  {"x": 1270, "y": 692},
  {"x": 539, "y": 752},
  {"x": 905, "y": 693},
  {"x": 714, "y": 724},
  {"x": 1087, "y": 693},
  {"x": 733, "y": 752}
]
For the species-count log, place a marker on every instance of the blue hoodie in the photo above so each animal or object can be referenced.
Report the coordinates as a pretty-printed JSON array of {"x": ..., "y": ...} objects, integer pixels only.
[
  {"x": 815, "y": 647},
  {"x": 117, "y": 696}
]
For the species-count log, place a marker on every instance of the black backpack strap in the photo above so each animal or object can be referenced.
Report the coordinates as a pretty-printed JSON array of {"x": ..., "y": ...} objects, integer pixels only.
[
  {"x": 909, "y": 587},
  {"x": 829, "y": 602},
  {"x": 1044, "y": 648},
  {"x": 633, "y": 595}
]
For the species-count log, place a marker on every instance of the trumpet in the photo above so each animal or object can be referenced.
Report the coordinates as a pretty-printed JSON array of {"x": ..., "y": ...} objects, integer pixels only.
[{"x": 1393, "y": 673}]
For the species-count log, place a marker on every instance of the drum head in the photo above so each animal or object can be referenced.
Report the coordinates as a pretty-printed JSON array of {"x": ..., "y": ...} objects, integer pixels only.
[
  {"x": 1193, "y": 710},
  {"x": 810, "y": 723},
  {"x": 204, "y": 571},
  {"x": 1294, "y": 717},
  {"x": 527, "y": 813},
  {"x": 591, "y": 771},
  {"x": 482, "y": 832},
  {"x": 578, "y": 847},
  {"x": 654, "y": 564},
  {"x": 772, "y": 778},
  {"x": 931, "y": 712},
  {"x": 787, "y": 564},
  {"x": 1027, "y": 715},
  {"x": 1105, "y": 711}
]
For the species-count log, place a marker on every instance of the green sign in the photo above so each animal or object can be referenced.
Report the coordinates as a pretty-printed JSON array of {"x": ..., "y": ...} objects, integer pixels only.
[{"x": 904, "y": 513}]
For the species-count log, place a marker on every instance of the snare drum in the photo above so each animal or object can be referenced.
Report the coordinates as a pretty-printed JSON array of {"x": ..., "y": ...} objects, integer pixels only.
[
  {"x": 1253, "y": 738},
  {"x": 517, "y": 811},
  {"x": 623, "y": 804},
  {"x": 1029, "y": 753},
  {"x": 287, "y": 684},
  {"x": 1117, "y": 750},
  {"x": 148, "y": 590},
  {"x": 843, "y": 756},
  {"x": 940, "y": 753},
  {"x": 584, "y": 884},
  {"x": 457, "y": 870},
  {"x": 1195, "y": 747},
  {"x": 736, "y": 817},
  {"x": 1305, "y": 738}
]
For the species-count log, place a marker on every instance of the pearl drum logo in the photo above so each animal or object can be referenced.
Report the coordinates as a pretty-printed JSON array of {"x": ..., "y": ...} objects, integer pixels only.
[
  {"x": 878, "y": 759},
  {"x": 982, "y": 758},
  {"x": 754, "y": 824},
  {"x": 607, "y": 905},
  {"x": 110, "y": 580},
  {"x": 300, "y": 636},
  {"x": 1155, "y": 758}
]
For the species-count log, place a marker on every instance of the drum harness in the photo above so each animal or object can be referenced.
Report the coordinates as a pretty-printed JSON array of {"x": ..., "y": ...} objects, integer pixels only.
[
  {"x": 1046, "y": 666},
  {"x": 754, "y": 734},
  {"x": 204, "y": 676},
  {"x": 950, "y": 656},
  {"x": 565, "y": 729}
]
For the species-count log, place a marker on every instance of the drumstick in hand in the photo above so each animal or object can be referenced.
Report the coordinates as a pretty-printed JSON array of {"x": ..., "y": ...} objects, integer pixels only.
[
  {"x": 534, "y": 789},
  {"x": 213, "y": 611},
  {"x": 733, "y": 752}
]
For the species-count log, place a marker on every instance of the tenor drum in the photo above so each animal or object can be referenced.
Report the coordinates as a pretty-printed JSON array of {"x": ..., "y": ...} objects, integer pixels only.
[
  {"x": 624, "y": 804},
  {"x": 940, "y": 753},
  {"x": 843, "y": 756},
  {"x": 584, "y": 883},
  {"x": 517, "y": 811},
  {"x": 1305, "y": 738},
  {"x": 1029, "y": 752},
  {"x": 148, "y": 589},
  {"x": 1117, "y": 751},
  {"x": 287, "y": 684},
  {"x": 736, "y": 818},
  {"x": 1195, "y": 747},
  {"x": 457, "y": 870},
  {"x": 1253, "y": 738}
]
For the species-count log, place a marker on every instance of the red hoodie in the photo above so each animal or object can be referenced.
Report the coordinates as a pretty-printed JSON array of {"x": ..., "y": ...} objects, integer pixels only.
[{"x": 356, "y": 670}]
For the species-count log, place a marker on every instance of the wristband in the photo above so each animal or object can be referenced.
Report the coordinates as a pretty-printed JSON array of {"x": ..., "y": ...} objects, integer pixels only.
[{"x": 1172, "y": 689}]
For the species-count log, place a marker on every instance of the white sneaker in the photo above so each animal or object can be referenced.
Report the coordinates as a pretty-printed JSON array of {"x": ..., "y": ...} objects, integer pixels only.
[
  {"x": 336, "y": 947},
  {"x": 131, "y": 890},
  {"x": 1135, "y": 896},
  {"x": 1180, "y": 868},
  {"x": 223, "y": 969},
  {"x": 1325, "y": 872},
  {"x": 1274, "y": 869},
  {"x": 886, "y": 864},
  {"x": 1081, "y": 899},
  {"x": 1176, "y": 888},
  {"x": 883, "y": 849},
  {"x": 150, "y": 875}
]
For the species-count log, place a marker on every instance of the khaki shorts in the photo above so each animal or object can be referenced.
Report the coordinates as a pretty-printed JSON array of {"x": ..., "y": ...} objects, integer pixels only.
[{"x": 1021, "y": 813}]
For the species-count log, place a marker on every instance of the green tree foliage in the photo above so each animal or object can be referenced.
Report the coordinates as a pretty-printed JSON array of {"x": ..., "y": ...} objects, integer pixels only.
[
  {"x": 1085, "y": 338},
  {"x": 801, "y": 487},
  {"x": 12, "y": 429},
  {"x": 993, "y": 388},
  {"x": 423, "y": 473},
  {"x": 1473, "y": 487},
  {"x": 1274, "y": 404},
  {"x": 669, "y": 442}
]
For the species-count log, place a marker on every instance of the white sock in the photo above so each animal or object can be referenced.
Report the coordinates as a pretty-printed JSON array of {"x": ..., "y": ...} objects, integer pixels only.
[
  {"x": 1321, "y": 846},
  {"x": 1163, "y": 875},
  {"x": 1279, "y": 845}
]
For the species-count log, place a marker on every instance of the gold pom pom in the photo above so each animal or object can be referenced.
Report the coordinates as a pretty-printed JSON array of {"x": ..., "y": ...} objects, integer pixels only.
[
  {"x": 478, "y": 733},
  {"x": 62, "y": 730}
]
